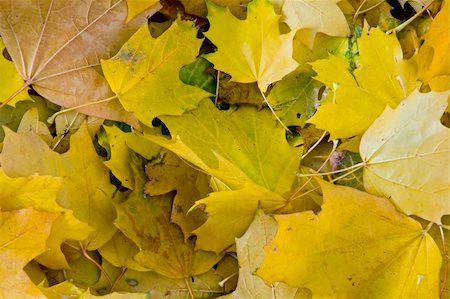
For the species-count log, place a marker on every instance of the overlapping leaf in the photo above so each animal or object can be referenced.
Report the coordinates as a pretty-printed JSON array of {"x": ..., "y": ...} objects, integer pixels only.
[
  {"x": 358, "y": 246},
  {"x": 234, "y": 146},
  {"x": 313, "y": 16},
  {"x": 405, "y": 153},
  {"x": 250, "y": 50},
  {"x": 357, "y": 98},
  {"x": 21, "y": 240},
  {"x": 40, "y": 193},
  {"x": 250, "y": 254},
  {"x": 86, "y": 188},
  {"x": 145, "y": 72},
  {"x": 146, "y": 221},
  {"x": 60, "y": 66}
]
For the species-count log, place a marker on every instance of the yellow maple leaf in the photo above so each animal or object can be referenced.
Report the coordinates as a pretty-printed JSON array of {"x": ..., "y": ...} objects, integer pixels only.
[
  {"x": 86, "y": 189},
  {"x": 145, "y": 72},
  {"x": 357, "y": 99},
  {"x": 405, "y": 153},
  {"x": 250, "y": 254},
  {"x": 250, "y": 50},
  {"x": 136, "y": 7},
  {"x": 437, "y": 42},
  {"x": 359, "y": 246},
  {"x": 40, "y": 193},
  {"x": 23, "y": 235},
  {"x": 234, "y": 146}
]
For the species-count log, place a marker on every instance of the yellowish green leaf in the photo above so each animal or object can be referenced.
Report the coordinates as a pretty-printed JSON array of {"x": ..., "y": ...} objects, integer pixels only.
[
  {"x": 358, "y": 246},
  {"x": 23, "y": 235},
  {"x": 120, "y": 252},
  {"x": 406, "y": 153},
  {"x": 145, "y": 72},
  {"x": 295, "y": 98},
  {"x": 250, "y": 50},
  {"x": 251, "y": 254},
  {"x": 356, "y": 99},
  {"x": 120, "y": 144},
  {"x": 86, "y": 188},
  {"x": 234, "y": 146}
]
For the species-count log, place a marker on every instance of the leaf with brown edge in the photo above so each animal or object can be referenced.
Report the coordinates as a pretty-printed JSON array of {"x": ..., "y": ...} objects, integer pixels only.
[{"x": 60, "y": 67}]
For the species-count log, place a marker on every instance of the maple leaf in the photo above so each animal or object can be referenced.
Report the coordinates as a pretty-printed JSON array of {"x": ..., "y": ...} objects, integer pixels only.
[
  {"x": 313, "y": 16},
  {"x": 40, "y": 193},
  {"x": 358, "y": 246},
  {"x": 59, "y": 65},
  {"x": 230, "y": 213},
  {"x": 167, "y": 172},
  {"x": 21, "y": 240},
  {"x": 145, "y": 72},
  {"x": 295, "y": 98},
  {"x": 404, "y": 153},
  {"x": 198, "y": 7},
  {"x": 160, "y": 286},
  {"x": 250, "y": 253},
  {"x": 161, "y": 243},
  {"x": 250, "y": 50},
  {"x": 120, "y": 252},
  {"x": 11, "y": 80},
  {"x": 136, "y": 7},
  {"x": 120, "y": 145},
  {"x": 233, "y": 146},
  {"x": 356, "y": 99},
  {"x": 436, "y": 73},
  {"x": 86, "y": 188}
]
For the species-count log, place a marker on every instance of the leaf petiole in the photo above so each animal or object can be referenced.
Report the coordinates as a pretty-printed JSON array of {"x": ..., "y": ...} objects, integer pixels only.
[{"x": 51, "y": 119}]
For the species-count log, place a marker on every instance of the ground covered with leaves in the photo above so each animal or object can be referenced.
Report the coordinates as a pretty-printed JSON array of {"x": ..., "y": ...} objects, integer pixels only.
[{"x": 224, "y": 148}]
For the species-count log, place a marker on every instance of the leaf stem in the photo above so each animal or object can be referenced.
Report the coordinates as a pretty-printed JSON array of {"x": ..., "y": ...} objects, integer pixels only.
[
  {"x": 51, "y": 119},
  {"x": 359, "y": 165},
  {"x": 217, "y": 88},
  {"x": 11, "y": 97},
  {"x": 188, "y": 285},
  {"x": 122, "y": 273},
  {"x": 87, "y": 256},
  {"x": 315, "y": 144},
  {"x": 407, "y": 22},
  {"x": 273, "y": 111},
  {"x": 444, "y": 248},
  {"x": 65, "y": 132}
]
